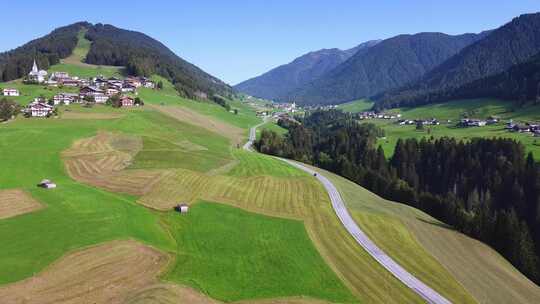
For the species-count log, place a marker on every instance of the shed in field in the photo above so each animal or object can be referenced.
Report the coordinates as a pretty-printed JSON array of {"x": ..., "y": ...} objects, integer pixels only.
[
  {"x": 182, "y": 208},
  {"x": 47, "y": 184}
]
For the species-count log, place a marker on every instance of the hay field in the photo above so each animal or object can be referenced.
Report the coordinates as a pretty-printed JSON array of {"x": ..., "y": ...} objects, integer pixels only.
[
  {"x": 100, "y": 161},
  {"x": 16, "y": 202},
  {"x": 434, "y": 251},
  {"x": 105, "y": 273}
]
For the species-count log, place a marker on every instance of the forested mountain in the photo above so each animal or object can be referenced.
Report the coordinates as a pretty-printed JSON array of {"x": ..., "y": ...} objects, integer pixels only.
[
  {"x": 304, "y": 69},
  {"x": 486, "y": 188},
  {"x": 143, "y": 55},
  {"x": 389, "y": 64},
  {"x": 509, "y": 45},
  {"x": 47, "y": 50}
]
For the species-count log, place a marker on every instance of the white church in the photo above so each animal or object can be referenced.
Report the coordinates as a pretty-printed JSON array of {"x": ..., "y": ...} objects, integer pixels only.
[{"x": 36, "y": 75}]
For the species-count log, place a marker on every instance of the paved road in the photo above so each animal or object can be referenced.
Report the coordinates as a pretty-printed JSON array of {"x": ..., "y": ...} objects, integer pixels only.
[
  {"x": 428, "y": 294},
  {"x": 252, "y": 136}
]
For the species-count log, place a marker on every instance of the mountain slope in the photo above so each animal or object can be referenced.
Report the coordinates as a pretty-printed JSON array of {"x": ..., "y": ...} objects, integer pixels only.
[
  {"x": 143, "y": 55},
  {"x": 304, "y": 69},
  {"x": 509, "y": 45},
  {"x": 390, "y": 64},
  {"x": 47, "y": 50},
  {"x": 139, "y": 53}
]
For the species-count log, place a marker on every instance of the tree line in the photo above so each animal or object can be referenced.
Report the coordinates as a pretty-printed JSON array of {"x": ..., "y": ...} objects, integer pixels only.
[{"x": 486, "y": 188}]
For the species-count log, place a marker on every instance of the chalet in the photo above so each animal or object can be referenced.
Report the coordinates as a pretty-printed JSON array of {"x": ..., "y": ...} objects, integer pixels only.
[
  {"x": 99, "y": 82},
  {"x": 148, "y": 83},
  {"x": 492, "y": 120},
  {"x": 90, "y": 91},
  {"x": 84, "y": 82},
  {"x": 111, "y": 91},
  {"x": 126, "y": 101},
  {"x": 468, "y": 122},
  {"x": 65, "y": 98},
  {"x": 59, "y": 75},
  {"x": 100, "y": 98},
  {"x": 39, "y": 109},
  {"x": 46, "y": 184},
  {"x": 69, "y": 82},
  {"x": 521, "y": 128},
  {"x": 182, "y": 208},
  {"x": 10, "y": 92},
  {"x": 136, "y": 82},
  {"x": 127, "y": 87}
]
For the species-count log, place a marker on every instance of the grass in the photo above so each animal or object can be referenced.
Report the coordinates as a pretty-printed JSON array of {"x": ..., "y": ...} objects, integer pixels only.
[
  {"x": 251, "y": 164},
  {"x": 259, "y": 256},
  {"x": 356, "y": 106},
  {"x": 271, "y": 126},
  {"x": 453, "y": 111},
  {"x": 30, "y": 91},
  {"x": 451, "y": 262}
]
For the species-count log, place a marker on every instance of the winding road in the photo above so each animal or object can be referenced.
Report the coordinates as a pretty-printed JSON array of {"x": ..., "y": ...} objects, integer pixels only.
[{"x": 424, "y": 291}]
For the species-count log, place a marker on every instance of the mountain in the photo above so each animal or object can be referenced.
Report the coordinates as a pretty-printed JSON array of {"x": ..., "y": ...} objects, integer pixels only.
[
  {"x": 389, "y": 64},
  {"x": 143, "y": 55},
  {"x": 304, "y": 69},
  {"x": 512, "y": 44},
  {"x": 47, "y": 51},
  {"x": 139, "y": 53}
]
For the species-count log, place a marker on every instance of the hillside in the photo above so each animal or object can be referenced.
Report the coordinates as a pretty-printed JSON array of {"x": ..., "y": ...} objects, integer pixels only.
[
  {"x": 509, "y": 45},
  {"x": 389, "y": 64},
  {"x": 302, "y": 70},
  {"x": 47, "y": 51},
  {"x": 111, "y": 46}
]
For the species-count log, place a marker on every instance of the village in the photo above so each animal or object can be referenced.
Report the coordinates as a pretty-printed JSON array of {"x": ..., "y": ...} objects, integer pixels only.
[{"x": 96, "y": 90}]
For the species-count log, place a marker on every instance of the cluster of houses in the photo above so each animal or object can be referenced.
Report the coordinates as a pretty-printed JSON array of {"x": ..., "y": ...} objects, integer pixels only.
[
  {"x": 97, "y": 89},
  {"x": 473, "y": 122},
  {"x": 532, "y": 128},
  {"x": 423, "y": 122},
  {"x": 374, "y": 115}
]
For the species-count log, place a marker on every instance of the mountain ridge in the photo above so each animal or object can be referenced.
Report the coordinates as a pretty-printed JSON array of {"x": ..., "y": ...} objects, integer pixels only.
[{"x": 303, "y": 69}]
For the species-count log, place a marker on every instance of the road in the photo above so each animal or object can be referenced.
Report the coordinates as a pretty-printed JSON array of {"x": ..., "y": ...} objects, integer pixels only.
[{"x": 424, "y": 291}]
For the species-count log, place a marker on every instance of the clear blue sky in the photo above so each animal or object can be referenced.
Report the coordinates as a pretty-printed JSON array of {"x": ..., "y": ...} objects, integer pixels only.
[{"x": 239, "y": 39}]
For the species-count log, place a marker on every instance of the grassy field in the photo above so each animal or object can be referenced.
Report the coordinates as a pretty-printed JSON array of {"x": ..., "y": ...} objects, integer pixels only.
[
  {"x": 259, "y": 256},
  {"x": 435, "y": 252},
  {"x": 454, "y": 111},
  {"x": 271, "y": 126},
  {"x": 356, "y": 106},
  {"x": 78, "y": 215}
]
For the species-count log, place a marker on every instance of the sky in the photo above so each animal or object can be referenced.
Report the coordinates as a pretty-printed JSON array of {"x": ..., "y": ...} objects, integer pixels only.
[{"x": 239, "y": 39}]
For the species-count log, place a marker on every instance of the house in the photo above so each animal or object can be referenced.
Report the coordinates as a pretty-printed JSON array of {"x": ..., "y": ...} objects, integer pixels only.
[
  {"x": 59, "y": 75},
  {"x": 127, "y": 87},
  {"x": 522, "y": 128},
  {"x": 182, "y": 208},
  {"x": 90, "y": 91},
  {"x": 111, "y": 91},
  {"x": 36, "y": 75},
  {"x": 39, "y": 109},
  {"x": 100, "y": 98},
  {"x": 148, "y": 83},
  {"x": 47, "y": 184},
  {"x": 99, "y": 82},
  {"x": 69, "y": 82},
  {"x": 65, "y": 98},
  {"x": 10, "y": 92},
  {"x": 126, "y": 101},
  {"x": 468, "y": 122},
  {"x": 134, "y": 82}
]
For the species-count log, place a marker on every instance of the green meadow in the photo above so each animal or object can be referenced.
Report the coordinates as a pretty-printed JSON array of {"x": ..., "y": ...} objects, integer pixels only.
[
  {"x": 451, "y": 112},
  {"x": 233, "y": 255}
]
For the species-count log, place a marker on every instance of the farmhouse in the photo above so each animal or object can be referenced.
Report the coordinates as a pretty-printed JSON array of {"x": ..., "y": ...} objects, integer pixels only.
[
  {"x": 10, "y": 92},
  {"x": 468, "y": 122},
  {"x": 69, "y": 82},
  {"x": 100, "y": 98},
  {"x": 126, "y": 101},
  {"x": 127, "y": 87},
  {"x": 38, "y": 109},
  {"x": 182, "y": 208},
  {"x": 65, "y": 98},
  {"x": 36, "y": 75},
  {"x": 112, "y": 91}
]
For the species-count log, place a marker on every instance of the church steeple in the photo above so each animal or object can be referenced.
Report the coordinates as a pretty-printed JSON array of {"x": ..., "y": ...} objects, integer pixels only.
[{"x": 35, "y": 67}]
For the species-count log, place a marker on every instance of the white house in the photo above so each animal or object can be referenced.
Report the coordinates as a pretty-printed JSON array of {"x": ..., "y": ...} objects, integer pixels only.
[
  {"x": 101, "y": 98},
  {"x": 37, "y": 75},
  {"x": 39, "y": 109},
  {"x": 65, "y": 98},
  {"x": 182, "y": 208},
  {"x": 10, "y": 92}
]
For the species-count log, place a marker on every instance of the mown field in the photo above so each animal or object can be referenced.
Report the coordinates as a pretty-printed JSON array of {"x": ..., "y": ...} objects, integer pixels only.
[
  {"x": 78, "y": 215},
  {"x": 454, "y": 111}
]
